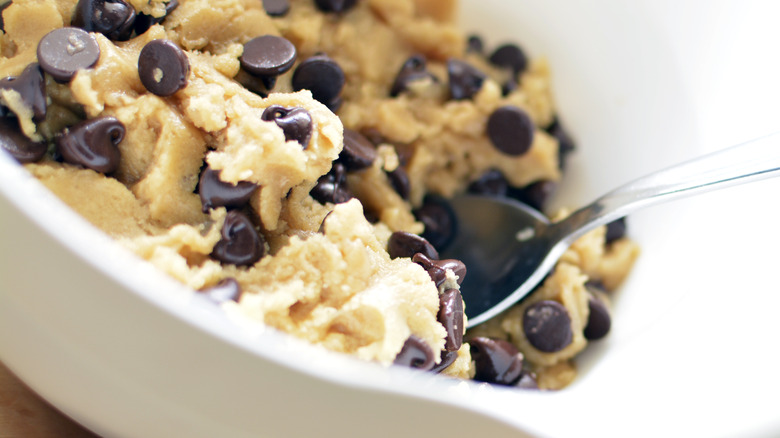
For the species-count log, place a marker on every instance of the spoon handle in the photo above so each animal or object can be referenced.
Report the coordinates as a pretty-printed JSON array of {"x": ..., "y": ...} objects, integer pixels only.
[{"x": 750, "y": 161}]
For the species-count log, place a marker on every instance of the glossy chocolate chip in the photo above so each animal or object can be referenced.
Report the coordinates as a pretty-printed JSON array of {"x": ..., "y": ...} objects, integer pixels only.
[
  {"x": 358, "y": 152},
  {"x": 415, "y": 353},
  {"x": 268, "y": 55},
  {"x": 13, "y": 141},
  {"x": 447, "y": 358},
  {"x": 491, "y": 183},
  {"x": 64, "y": 51},
  {"x": 565, "y": 143},
  {"x": 92, "y": 144},
  {"x": 215, "y": 193},
  {"x": 399, "y": 179},
  {"x": 276, "y": 8},
  {"x": 437, "y": 269},
  {"x": 163, "y": 67},
  {"x": 31, "y": 88},
  {"x": 414, "y": 69},
  {"x": 535, "y": 194},
  {"x": 335, "y": 5},
  {"x": 403, "y": 244},
  {"x": 547, "y": 326},
  {"x": 474, "y": 44},
  {"x": 113, "y": 18},
  {"x": 143, "y": 21},
  {"x": 616, "y": 230},
  {"x": 322, "y": 76},
  {"x": 599, "y": 319},
  {"x": 332, "y": 187},
  {"x": 439, "y": 219},
  {"x": 496, "y": 361},
  {"x": 451, "y": 317},
  {"x": 295, "y": 122},
  {"x": 511, "y": 130},
  {"x": 240, "y": 244},
  {"x": 465, "y": 80},
  {"x": 227, "y": 289},
  {"x": 510, "y": 56}
]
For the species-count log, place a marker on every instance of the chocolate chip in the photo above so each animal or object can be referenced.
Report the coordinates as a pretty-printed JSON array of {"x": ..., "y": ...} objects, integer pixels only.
[
  {"x": 491, "y": 183},
  {"x": 403, "y": 244},
  {"x": 447, "y": 358},
  {"x": 295, "y": 122},
  {"x": 2, "y": 8},
  {"x": 92, "y": 144},
  {"x": 496, "y": 361},
  {"x": 332, "y": 187},
  {"x": 464, "y": 79},
  {"x": 227, "y": 289},
  {"x": 215, "y": 193},
  {"x": 510, "y": 56},
  {"x": 509, "y": 86},
  {"x": 535, "y": 194},
  {"x": 414, "y": 69},
  {"x": 335, "y": 5},
  {"x": 241, "y": 244},
  {"x": 143, "y": 21},
  {"x": 358, "y": 152},
  {"x": 163, "y": 67},
  {"x": 322, "y": 76},
  {"x": 276, "y": 8},
  {"x": 399, "y": 179},
  {"x": 64, "y": 51},
  {"x": 31, "y": 87},
  {"x": 112, "y": 18},
  {"x": 439, "y": 219},
  {"x": 511, "y": 130},
  {"x": 415, "y": 353},
  {"x": 599, "y": 319},
  {"x": 547, "y": 326},
  {"x": 565, "y": 143},
  {"x": 437, "y": 269},
  {"x": 13, "y": 141},
  {"x": 268, "y": 55},
  {"x": 474, "y": 44},
  {"x": 451, "y": 317},
  {"x": 616, "y": 230}
]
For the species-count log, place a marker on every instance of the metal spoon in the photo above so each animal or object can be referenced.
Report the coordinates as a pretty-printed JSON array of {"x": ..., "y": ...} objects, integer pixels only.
[{"x": 509, "y": 247}]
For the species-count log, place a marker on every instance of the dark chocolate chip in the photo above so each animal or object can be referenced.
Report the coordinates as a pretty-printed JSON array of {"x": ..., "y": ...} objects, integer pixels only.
[
  {"x": 64, "y": 51},
  {"x": 295, "y": 122},
  {"x": 565, "y": 143},
  {"x": 2, "y": 8},
  {"x": 399, "y": 179},
  {"x": 414, "y": 69},
  {"x": 492, "y": 183},
  {"x": 496, "y": 361},
  {"x": 92, "y": 144},
  {"x": 535, "y": 194},
  {"x": 215, "y": 193},
  {"x": 527, "y": 381},
  {"x": 415, "y": 353},
  {"x": 332, "y": 187},
  {"x": 335, "y": 5},
  {"x": 599, "y": 319},
  {"x": 616, "y": 230},
  {"x": 439, "y": 219},
  {"x": 241, "y": 244},
  {"x": 510, "y": 56},
  {"x": 322, "y": 76},
  {"x": 451, "y": 317},
  {"x": 437, "y": 269},
  {"x": 474, "y": 44},
  {"x": 163, "y": 67},
  {"x": 143, "y": 21},
  {"x": 509, "y": 86},
  {"x": 13, "y": 141},
  {"x": 268, "y": 55},
  {"x": 113, "y": 18},
  {"x": 547, "y": 326},
  {"x": 276, "y": 8},
  {"x": 358, "y": 152},
  {"x": 511, "y": 130},
  {"x": 31, "y": 87},
  {"x": 465, "y": 80},
  {"x": 403, "y": 244},
  {"x": 447, "y": 359},
  {"x": 227, "y": 289}
]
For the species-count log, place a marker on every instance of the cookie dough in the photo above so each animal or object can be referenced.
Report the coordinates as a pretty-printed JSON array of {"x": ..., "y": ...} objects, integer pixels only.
[{"x": 268, "y": 158}]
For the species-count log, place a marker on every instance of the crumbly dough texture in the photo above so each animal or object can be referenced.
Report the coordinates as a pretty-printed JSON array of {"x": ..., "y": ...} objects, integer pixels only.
[{"x": 335, "y": 287}]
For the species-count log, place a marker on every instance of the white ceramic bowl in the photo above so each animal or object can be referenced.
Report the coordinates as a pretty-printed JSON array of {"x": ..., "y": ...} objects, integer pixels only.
[{"x": 641, "y": 84}]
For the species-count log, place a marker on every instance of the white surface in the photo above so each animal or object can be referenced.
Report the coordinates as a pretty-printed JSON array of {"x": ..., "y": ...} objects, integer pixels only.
[{"x": 640, "y": 84}]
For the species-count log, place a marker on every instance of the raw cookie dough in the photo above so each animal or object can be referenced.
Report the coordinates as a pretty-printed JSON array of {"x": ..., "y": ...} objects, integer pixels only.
[{"x": 319, "y": 268}]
